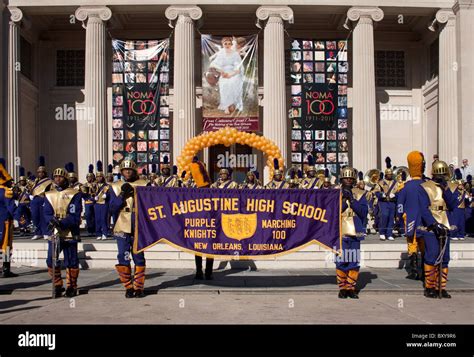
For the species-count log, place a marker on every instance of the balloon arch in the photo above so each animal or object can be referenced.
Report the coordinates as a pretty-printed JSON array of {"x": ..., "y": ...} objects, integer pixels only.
[{"x": 228, "y": 136}]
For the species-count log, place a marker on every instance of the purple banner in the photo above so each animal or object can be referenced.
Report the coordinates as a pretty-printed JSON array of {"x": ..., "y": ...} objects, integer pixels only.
[{"x": 237, "y": 224}]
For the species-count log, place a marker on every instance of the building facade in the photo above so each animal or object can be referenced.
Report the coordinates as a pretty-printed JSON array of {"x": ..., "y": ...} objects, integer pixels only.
[{"x": 411, "y": 73}]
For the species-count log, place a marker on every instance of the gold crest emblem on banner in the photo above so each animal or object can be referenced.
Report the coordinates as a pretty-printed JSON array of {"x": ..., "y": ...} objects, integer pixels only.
[{"x": 239, "y": 226}]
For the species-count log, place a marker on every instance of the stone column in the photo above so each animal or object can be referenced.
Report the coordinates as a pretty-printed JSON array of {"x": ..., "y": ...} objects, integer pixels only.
[
  {"x": 3, "y": 71},
  {"x": 275, "y": 116},
  {"x": 184, "y": 97},
  {"x": 364, "y": 118},
  {"x": 464, "y": 11},
  {"x": 448, "y": 121},
  {"x": 92, "y": 139},
  {"x": 13, "y": 154}
]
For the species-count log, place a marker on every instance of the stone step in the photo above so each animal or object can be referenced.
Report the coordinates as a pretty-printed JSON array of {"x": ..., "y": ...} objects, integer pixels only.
[{"x": 103, "y": 254}]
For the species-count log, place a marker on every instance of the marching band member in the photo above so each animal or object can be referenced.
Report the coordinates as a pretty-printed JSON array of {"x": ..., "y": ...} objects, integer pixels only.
[
  {"x": 23, "y": 213},
  {"x": 327, "y": 181},
  {"x": 72, "y": 177},
  {"x": 88, "y": 193},
  {"x": 122, "y": 206},
  {"x": 7, "y": 212},
  {"x": 201, "y": 180},
  {"x": 165, "y": 172},
  {"x": 277, "y": 181},
  {"x": 457, "y": 217},
  {"x": 311, "y": 181},
  {"x": 173, "y": 180},
  {"x": 408, "y": 209},
  {"x": 144, "y": 175},
  {"x": 101, "y": 205},
  {"x": 251, "y": 181},
  {"x": 109, "y": 178},
  {"x": 225, "y": 180},
  {"x": 354, "y": 210},
  {"x": 153, "y": 175},
  {"x": 469, "y": 205},
  {"x": 387, "y": 202},
  {"x": 41, "y": 185},
  {"x": 434, "y": 202},
  {"x": 62, "y": 212},
  {"x": 294, "y": 180}
]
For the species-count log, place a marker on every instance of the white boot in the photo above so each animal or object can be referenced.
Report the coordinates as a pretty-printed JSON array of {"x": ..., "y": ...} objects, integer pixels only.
[
  {"x": 99, "y": 238},
  {"x": 35, "y": 237},
  {"x": 104, "y": 237},
  {"x": 45, "y": 237},
  {"x": 454, "y": 238},
  {"x": 382, "y": 237},
  {"x": 390, "y": 238},
  {"x": 461, "y": 238}
]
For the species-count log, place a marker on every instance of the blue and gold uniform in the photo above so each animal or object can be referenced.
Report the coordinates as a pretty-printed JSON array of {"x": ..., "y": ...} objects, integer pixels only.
[
  {"x": 225, "y": 180},
  {"x": 172, "y": 180},
  {"x": 311, "y": 181},
  {"x": 88, "y": 193},
  {"x": 41, "y": 185},
  {"x": 435, "y": 228},
  {"x": 122, "y": 207},
  {"x": 469, "y": 212},
  {"x": 408, "y": 209},
  {"x": 387, "y": 201},
  {"x": 277, "y": 182},
  {"x": 62, "y": 212},
  {"x": 7, "y": 212},
  {"x": 354, "y": 210},
  {"x": 457, "y": 216},
  {"x": 251, "y": 181},
  {"x": 23, "y": 213},
  {"x": 101, "y": 204}
]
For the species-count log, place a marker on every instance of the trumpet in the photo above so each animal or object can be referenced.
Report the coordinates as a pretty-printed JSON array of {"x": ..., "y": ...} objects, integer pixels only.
[{"x": 372, "y": 177}]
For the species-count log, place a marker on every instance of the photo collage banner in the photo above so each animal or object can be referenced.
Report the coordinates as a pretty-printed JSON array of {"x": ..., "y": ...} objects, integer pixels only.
[
  {"x": 318, "y": 108},
  {"x": 140, "y": 102},
  {"x": 229, "y": 82}
]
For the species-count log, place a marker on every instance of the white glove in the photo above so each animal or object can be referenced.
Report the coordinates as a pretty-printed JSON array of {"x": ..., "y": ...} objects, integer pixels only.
[
  {"x": 392, "y": 195},
  {"x": 104, "y": 195},
  {"x": 383, "y": 195},
  {"x": 31, "y": 197}
]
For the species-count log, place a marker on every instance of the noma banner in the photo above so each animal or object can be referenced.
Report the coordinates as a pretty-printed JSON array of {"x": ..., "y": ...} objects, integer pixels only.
[{"x": 237, "y": 224}]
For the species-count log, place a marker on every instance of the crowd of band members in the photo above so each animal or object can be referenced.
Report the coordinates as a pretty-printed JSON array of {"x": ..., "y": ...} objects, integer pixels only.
[{"x": 105, "y": 201}]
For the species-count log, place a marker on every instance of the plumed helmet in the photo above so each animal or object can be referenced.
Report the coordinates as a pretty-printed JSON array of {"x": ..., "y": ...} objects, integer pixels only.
[
  {"x": 42, "y": 164},
  {"x": 90, "y": 171},
  {"x": 100, "y": 169},
  {"x": 276, "y": 167},
  {"x": 388, "y": 165},
  {"x": 22, "y": 174}
]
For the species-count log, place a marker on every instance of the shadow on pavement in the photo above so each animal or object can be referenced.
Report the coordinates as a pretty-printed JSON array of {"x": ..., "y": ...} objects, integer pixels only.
[{"x": 12, "y": 303}]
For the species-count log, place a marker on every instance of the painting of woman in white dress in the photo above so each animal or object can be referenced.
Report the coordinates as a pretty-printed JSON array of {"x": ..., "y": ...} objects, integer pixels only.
[{"x": 230, "y": 82}]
